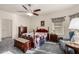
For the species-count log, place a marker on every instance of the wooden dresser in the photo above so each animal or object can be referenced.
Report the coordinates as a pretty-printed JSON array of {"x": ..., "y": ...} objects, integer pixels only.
[
  {"x": 22, "y": 44},
  {"x": 53, "y": 38}
]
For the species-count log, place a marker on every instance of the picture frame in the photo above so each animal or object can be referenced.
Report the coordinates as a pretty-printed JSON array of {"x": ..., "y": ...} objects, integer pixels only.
[{"x": 42, "y": 23}]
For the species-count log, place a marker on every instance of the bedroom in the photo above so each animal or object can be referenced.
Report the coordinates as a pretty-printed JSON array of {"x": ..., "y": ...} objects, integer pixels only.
[{"x": 55, "y": 18}]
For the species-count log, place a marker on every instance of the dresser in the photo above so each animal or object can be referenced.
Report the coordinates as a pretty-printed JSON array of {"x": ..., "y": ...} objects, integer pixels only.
[
  {"x": 53, "y": 38},
  {"x": 22, "y": 44}
]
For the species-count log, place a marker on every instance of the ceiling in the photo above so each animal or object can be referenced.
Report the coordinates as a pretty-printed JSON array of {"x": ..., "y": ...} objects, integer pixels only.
[{"x": 45, "y": 8}]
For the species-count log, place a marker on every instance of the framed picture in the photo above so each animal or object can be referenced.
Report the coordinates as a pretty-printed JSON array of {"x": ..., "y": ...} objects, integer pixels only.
[{"x": 42, "y": 23}]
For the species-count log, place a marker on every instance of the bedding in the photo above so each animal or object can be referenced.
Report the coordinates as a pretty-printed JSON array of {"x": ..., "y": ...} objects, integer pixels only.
[
  {"x": 40, "y": 36},
  {"x": 40, "y": 39},
  {"x": 28, "y": 34}
]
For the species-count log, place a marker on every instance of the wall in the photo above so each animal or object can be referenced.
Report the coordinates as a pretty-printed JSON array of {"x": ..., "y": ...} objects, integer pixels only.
[
  {"x": 35, "y": 21},
  {"x": 17, "y": 20}
]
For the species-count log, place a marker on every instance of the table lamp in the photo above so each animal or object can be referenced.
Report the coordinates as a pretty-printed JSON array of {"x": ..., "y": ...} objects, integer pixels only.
[{"x": 74, "y": 25}]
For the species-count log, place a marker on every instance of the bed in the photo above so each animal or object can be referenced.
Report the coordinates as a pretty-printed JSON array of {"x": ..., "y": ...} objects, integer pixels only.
[
  {"x": 41, "y": 31},
  {"x": 41, "y": 35}
]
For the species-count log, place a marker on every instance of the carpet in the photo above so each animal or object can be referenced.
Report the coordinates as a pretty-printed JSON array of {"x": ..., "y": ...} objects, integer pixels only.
[
  {"x": 47, "y": 48},
  {"x": 7, "y": 46},
  {"x": 7, "y": 52}
]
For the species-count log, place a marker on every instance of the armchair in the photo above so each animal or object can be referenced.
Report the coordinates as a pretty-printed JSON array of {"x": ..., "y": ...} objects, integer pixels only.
[{"x": 62, "y": 44}]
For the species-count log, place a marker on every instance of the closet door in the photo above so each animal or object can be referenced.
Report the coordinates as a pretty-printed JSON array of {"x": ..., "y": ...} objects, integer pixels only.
[{"x": 6, "y": 28}]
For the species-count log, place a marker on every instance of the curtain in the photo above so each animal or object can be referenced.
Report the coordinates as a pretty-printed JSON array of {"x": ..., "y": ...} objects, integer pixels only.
[
  {"x": 74, "y": 16},
  {"x": 59, "y": 19},
  {"x": 58, "y": 25}
]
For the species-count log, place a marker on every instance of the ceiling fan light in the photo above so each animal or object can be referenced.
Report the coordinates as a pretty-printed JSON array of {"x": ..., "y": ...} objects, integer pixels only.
[{"x": 29, "y": 14}]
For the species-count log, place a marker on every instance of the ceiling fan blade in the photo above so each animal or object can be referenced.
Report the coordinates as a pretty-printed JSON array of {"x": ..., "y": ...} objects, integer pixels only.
[
  {"x": 36, "y": 10},
  {"x": 36, "y": 14},
  {"x": 24, "y": 7}
]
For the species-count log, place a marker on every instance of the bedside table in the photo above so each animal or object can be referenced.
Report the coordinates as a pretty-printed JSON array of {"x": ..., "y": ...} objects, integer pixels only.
[{"x": 53, "y": 38}]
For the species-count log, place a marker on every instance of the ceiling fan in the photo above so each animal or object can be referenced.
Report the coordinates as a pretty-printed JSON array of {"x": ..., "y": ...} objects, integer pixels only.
[{"x": 29, "y": 11}]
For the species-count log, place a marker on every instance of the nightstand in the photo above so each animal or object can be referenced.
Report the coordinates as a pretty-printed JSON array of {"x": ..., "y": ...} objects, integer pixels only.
[{"x": 53, "y": 38}]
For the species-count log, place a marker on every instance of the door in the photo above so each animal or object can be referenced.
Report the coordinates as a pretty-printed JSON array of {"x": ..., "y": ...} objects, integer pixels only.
[{"x": 6, "y": 28}]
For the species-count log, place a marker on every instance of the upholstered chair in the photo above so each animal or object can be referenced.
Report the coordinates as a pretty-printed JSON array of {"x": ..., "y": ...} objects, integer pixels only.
[{"x": 62, "y": 44}]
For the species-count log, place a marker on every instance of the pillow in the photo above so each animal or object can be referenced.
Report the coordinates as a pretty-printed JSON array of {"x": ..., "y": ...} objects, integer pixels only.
[
  {"x": 29, "y": 33},
  {"x": 71, "y": 34}
]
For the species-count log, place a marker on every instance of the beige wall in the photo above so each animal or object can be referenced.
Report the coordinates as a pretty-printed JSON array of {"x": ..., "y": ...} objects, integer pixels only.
[
  {"x": 35, "y": 21},
  {"x": 18, "y": 21}
]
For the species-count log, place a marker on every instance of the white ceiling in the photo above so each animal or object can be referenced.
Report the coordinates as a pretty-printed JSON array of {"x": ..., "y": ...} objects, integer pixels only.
[{"x": 45, "y": 8}]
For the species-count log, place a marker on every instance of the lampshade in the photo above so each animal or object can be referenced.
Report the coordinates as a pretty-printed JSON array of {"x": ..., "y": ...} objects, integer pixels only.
[{"x": 74, "y": 24}]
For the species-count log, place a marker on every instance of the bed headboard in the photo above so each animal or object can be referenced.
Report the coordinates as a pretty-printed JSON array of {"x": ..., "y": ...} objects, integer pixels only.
[{"x": 42, "y": 29}]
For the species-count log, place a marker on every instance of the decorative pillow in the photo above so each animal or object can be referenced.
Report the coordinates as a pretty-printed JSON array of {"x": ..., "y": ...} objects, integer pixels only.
[{"x": 71, "y": 34}]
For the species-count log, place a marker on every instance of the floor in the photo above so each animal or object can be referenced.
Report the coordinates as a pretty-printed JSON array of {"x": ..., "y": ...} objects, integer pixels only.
[{"x": 6, "y": 47}]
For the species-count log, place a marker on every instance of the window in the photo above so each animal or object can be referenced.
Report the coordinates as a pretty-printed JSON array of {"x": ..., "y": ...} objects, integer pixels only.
[
  {"x": 59, "y": 25},
  {"x": 59, "y": 28}
]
